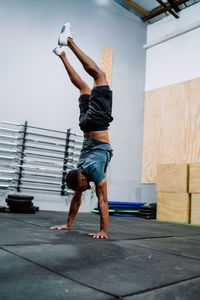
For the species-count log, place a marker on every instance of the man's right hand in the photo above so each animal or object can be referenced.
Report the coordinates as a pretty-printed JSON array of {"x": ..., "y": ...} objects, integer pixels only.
[{"x": 60, "y": 227}]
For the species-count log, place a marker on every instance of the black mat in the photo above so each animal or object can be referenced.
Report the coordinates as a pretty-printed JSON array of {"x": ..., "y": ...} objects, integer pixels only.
[
  {"x": 195, "y": 237},
  {"x": 21, "y": 279},
  {"x": 188, "y": 290},
  {"x": 88, "y": 222},
  {"x": 17, "y": 232},
  {"x": 141, "y": 258},
  {"x": 97, "y": 263},
  {"x": 119, "y": 228},
  {"x": 184, "y": 246}
]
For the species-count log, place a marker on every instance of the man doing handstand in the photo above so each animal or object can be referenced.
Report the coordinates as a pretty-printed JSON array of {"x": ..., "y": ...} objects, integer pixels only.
[{"x": 95, "y": 116}]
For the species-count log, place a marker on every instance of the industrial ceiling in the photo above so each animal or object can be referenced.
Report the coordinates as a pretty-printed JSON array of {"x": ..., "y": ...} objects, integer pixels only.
[{"x": 151, "y": 11}]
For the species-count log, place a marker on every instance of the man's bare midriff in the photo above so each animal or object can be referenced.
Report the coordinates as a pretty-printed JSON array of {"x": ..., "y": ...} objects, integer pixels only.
[{"x": 98, "y": 135}]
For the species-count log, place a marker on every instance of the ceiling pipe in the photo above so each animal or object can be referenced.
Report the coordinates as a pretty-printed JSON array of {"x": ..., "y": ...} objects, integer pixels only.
[{"x": 172, "y": 35}]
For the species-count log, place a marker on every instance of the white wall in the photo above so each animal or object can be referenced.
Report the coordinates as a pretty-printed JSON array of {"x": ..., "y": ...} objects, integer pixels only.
[
  {"x": 35, "y": 87},
  {"x": 175, "y": 60},
  {"x": 172, "y": 61}
]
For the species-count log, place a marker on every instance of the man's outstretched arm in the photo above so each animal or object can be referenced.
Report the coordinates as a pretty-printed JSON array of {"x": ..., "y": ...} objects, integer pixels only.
[
  {"x": 101, "y": 191},
  {"x": 74, "y": 207}
]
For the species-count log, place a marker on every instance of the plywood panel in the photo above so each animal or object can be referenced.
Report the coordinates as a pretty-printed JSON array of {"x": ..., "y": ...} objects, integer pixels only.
[
  {"x": 164, "y": 129},
  {"x": 172, "y": 127},
  {"x": 151, "y": 136},
  {"x": 172, "y": 178},
  {"x": 106, "y": 63},
  {"x": 192, "y": 124},
  {"x": 173, "y": 207},
  {"x": 194, "y": 180},
  {"x": 195, "y": 209}
]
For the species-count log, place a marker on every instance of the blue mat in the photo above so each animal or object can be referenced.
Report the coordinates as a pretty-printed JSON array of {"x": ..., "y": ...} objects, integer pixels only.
[
  {"x": 125, "y": 203},
  {"x": 121, "y": 215}
]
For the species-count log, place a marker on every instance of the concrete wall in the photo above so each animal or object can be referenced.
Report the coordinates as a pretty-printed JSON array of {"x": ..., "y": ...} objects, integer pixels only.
[{"x": 35, "y": 87}]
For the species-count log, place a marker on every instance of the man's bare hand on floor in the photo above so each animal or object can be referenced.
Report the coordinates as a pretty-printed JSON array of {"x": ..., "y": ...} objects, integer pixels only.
[{"x": 100, "y": 234}]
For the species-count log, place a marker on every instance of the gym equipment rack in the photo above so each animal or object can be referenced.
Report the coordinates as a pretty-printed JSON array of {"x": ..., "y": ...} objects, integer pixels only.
[{"x": 36, "y": 158}]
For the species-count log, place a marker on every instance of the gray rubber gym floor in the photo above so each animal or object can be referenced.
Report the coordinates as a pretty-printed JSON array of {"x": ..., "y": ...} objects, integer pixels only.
[{"x": 142, "y": 259}]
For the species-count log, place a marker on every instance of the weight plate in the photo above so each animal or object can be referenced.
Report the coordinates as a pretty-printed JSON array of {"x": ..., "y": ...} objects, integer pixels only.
[
  {"x": 20, "y": 197},
  {"x": 2, "y": 209},
  {"x": 18, "y": 202},
  {"x": 28, "y": 210},
  {"x": 14, "y": 206}
]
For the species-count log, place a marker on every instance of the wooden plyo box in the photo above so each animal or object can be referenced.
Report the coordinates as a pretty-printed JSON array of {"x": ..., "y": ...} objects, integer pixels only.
[
  {"x": 173, "y": 207},
  {"x": 172, "y": 178},
  {"x": 194, "y": 181},
  {"x": 195, "y": 209}
]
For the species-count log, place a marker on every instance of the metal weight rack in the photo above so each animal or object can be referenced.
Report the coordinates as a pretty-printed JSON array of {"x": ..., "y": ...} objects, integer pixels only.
[{"x": 37, "y": 159}]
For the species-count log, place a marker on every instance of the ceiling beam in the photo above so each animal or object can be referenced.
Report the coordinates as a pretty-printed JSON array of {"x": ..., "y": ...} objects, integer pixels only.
[
  {"x": 168, "y": 9},
  {"x": 137, "y": 7},
  {"x": 160, "y": 9},
  {"x": 173, "y": 5}
]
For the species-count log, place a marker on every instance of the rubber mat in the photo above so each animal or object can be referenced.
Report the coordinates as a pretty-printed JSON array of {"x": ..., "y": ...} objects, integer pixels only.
[
  {"x": 182, "y": 291},
  {"x": 89, "y": 262}
]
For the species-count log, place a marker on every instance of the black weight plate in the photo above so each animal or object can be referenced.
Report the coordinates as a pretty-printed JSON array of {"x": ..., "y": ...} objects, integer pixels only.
[
  {"x": 2, "y": 209},
  {"x": 20, "y": 197},
  {"x": 153, "y": 204},
  {"x": 28, "y": 210},
  {"x": 18, "y": 202},
  {"x": 20, "y": 207},
  {"x": 36, "y": 208}
]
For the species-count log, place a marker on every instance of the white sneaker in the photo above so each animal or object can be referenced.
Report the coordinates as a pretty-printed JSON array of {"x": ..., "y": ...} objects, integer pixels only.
[
  {"x": 58, "y": 50},
  {"x": 65, "y": 33}
]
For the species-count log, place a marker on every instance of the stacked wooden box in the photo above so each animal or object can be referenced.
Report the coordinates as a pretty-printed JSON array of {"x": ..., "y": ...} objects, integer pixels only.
[
  {"x": 194, "y": 189},
  {"x": 178, "y": 193}
]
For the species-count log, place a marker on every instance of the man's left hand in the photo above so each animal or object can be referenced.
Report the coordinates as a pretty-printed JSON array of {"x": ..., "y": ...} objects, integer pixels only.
[{"x": 99, "y": 235}]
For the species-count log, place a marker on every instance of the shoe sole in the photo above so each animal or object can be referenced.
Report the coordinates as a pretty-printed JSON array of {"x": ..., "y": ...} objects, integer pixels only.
[{"x": 62, "y": 40}]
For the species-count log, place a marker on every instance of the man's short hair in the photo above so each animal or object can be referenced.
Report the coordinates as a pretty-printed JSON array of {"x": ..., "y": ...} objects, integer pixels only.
[{"x": 73, "y": 179}]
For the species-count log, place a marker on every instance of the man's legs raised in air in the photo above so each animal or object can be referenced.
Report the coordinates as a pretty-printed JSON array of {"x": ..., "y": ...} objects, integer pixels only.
[
  {"x": 73, "y": 75},
  {"x": 88, "y": 64}
]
